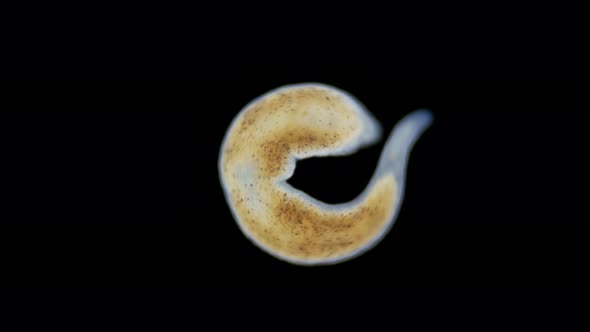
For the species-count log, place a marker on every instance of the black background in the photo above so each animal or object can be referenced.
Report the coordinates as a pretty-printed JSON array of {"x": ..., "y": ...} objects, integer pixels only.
[{"x": 115, "y": 183}]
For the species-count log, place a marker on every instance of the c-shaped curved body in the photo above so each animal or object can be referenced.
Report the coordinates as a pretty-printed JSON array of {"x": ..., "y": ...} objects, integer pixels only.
[{"x": 258, "y": 155}]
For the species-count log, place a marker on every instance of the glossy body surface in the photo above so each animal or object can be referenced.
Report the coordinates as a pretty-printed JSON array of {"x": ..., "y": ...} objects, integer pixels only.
[{"x": 258, "y": 155}]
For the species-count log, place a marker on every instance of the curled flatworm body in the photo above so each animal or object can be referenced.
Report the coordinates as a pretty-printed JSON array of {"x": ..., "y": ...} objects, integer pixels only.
[{"x": 258, "y": 155}]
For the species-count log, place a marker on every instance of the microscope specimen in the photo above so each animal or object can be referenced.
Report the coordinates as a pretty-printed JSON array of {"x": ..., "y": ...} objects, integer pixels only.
[{"x": 258, "y": 156}]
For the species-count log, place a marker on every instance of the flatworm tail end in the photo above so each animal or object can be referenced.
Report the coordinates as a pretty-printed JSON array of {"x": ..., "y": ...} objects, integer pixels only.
[{"x": 404, "y": 135}]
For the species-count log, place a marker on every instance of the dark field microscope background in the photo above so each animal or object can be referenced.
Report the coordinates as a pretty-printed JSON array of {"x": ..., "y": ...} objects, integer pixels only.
[{"x": 115, "y": 183}]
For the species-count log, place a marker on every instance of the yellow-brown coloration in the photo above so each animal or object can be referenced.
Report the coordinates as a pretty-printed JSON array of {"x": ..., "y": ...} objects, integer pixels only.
[
  {"x": 296, "y": 228},
  {"x": 290, "y": 122},
  {"x": 258, "y": 154}
]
